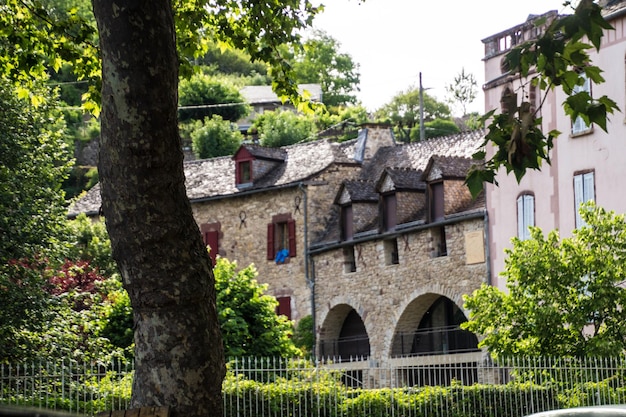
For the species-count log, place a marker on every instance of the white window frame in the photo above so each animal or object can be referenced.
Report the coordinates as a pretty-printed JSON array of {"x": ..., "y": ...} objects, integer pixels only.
[
  {"x": 584, "y": 190},
  {"x": 525, "y": 215},
  {"x": 579, "y": 125}
]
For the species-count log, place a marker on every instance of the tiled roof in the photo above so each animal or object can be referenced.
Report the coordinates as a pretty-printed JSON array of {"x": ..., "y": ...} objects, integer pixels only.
[
  {"x": 258, "y": 151},
  {"x": 416, "y": 155},
  {"x": 361, "y": 190},
  {"x": 215, "y": 177},
  {"x": 406, "y": 178},
  {"x": 450, "y": 166}
]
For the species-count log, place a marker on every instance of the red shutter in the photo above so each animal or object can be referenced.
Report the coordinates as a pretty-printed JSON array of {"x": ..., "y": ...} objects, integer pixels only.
[
  {"x": 284, "y": 307},
  {"x": 291, "y": 227},
  {"x": 270, "y": 242},
  {"x": 211, "y": 239}
]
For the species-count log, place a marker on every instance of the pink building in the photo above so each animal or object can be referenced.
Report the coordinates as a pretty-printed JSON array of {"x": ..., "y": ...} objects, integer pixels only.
[{"x": 587, "y": 163}]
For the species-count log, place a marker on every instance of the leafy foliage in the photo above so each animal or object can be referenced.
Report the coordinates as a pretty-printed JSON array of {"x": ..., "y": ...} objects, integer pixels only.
[
  {"x": 25, "y": 303},
  {"x": 320, "y": 62},
  {"x": 248, "y": 319},
  {"x": 304, "y": 334},
  {"x": 214, "y": 137},
  {"x": 403, "y": 111},
  {"x": 283, "y": 127},
  {"x": 89, "y": 241},
  {"x": 232, "y": 61},
  {"x": 565, "y": 296},
  {"x": 557, "y": 58},
  {"x": 36, "y": 37},
  {"x": 435, "y": 128},
  {"x": 33, "y": 164},
  {"x": 203, "y": 96},
  {"x": 463, "y": 90}
]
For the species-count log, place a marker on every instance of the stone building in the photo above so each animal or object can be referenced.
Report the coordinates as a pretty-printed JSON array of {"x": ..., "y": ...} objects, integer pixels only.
[{"x": 378, "y": 241}]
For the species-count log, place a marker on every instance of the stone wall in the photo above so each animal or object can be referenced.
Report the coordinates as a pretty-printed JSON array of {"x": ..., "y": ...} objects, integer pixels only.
[
  {"x": 381, "y": 293},
  {"x": 244, "y": 221}
]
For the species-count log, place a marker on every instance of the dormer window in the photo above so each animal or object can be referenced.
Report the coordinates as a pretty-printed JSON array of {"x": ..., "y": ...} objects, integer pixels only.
[
  {"x": 389, "y": 209},
  {"x": 253, "y": 162},
  {"x": 244, "y": 172},
  {"x": 436, "y": 201},
  {"x": 347, "y": 222}
]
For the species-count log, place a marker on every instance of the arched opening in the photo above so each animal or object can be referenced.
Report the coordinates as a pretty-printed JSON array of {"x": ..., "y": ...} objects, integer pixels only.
[
  {"x": 439, "y": 331},
  {"x": 343, "y": 336},
  {"x": 430, "y": 325}
]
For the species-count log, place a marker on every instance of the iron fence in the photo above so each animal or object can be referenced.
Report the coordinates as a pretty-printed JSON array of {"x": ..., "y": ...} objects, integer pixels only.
[{"x": 468, "y": 384}]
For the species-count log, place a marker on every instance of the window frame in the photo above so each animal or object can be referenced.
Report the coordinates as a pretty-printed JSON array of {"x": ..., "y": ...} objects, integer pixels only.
[
  {"x": 579, "y": 126},
  {"x": 584, "y": 190},
  {"x": 286, "y": 222},
  {"x": 525, "y": 215}
]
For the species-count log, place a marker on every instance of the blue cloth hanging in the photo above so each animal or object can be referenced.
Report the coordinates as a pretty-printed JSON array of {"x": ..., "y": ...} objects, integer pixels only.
[{"x": 281, "y": 255}]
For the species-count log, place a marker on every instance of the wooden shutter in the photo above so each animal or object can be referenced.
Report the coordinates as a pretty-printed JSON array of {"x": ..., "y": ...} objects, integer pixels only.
[
  {"x": 284, "y": 307},
  {"x": 211, "y": 239},
  {"x": 437, "y": 201},
  {"x": 347, "y": 224},
  {"x": 291, "y": 227},
  {"x": 390, "y": 211},
  {"x": 270, "y": 242}
]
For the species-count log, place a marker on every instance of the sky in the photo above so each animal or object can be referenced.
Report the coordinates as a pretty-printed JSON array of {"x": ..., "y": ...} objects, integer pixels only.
[{"x": 393, "y": 41}]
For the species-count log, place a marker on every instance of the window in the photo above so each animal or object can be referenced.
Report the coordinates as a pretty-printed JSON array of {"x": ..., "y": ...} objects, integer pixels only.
[
  {"x": 349, "y": 261},
  {"x": 391, "y": 252},
  {"x": 436, "y": 201},
  {"x": 244, "y": 172},
  {"x": 579, "y": 125},
  {"x": 584, "y": 190},
  {"x": 389, "y": 211},
  {"x": 281, "y": 238},
  {"x": 525, "y": 215},
  {"x": 284, "y": 307},
  {"x": 347, "y": 225},
  {"x": 438, "y": 239},
  {"x": 210, "y": 236}
]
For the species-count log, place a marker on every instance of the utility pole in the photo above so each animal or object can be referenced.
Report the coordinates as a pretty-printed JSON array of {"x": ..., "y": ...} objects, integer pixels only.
[{"x": 422, "y": 129}]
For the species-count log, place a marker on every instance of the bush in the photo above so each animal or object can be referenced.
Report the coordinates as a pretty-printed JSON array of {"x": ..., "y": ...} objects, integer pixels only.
[
  {"x": 215, "y": 137},
  {"x": 283, "y": 128}
]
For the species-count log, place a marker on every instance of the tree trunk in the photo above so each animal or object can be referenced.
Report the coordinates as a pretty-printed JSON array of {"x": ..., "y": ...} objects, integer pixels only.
[{"x": 164, "y": 264}]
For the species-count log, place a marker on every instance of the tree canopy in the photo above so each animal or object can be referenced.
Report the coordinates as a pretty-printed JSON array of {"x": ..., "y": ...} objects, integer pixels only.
[
  {"x": 34, "y": 163},
  {"x": 463, "y": 90},
  {"x": 203, "y": 96},
  {"x": 320, "y": 61},
  {"x": 283, "y": 127},
  {"x": 403, "y": 111},
  {"x": 565, "y": 295}
]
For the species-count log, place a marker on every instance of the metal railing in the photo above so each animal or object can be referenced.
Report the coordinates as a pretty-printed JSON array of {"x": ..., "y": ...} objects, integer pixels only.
[{"x": 463, "y": 385}]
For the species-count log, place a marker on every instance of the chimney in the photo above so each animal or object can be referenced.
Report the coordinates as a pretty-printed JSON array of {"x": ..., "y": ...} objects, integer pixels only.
[{"x": 372, "y": 137}]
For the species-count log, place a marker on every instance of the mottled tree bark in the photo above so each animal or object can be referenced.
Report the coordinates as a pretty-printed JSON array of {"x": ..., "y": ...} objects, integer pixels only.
[{"x": 156, "y": 243}]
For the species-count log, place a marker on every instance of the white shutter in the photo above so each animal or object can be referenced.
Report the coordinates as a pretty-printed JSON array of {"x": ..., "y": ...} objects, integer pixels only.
[
  {"x": 529, "y": 214},
  {"x": 588, "y": 186},
  {"x": 578, "y": 198},
  {"x": 520, "y": 217}
]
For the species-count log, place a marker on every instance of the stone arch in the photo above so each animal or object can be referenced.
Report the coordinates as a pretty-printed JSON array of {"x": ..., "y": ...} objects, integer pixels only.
[
  {"x": 428, "y": 324},
  {"x": 343, "y": 334}
]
